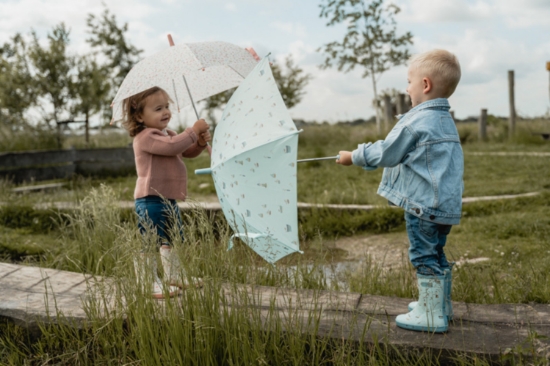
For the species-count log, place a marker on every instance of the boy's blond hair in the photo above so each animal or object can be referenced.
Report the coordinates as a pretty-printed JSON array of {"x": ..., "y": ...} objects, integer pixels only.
[{"x": 441, "y": 66}]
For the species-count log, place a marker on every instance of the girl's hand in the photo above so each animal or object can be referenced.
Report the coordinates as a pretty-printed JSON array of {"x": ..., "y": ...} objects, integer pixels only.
[
  {"x": 345, "y": 158},
  {"x": 204, "y": 138},
  {"x": 200, "y": 126}
]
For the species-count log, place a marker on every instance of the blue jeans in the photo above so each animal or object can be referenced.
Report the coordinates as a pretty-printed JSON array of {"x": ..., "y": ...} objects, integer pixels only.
[
  {"x": 161, "y": 214},
  {"x": 427, "y": 240}
]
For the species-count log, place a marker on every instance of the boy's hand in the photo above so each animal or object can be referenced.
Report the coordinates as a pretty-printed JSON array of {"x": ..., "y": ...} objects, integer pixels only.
[
  {"x": 200, "y": 127},
  {"x": 345, "y": 158}
]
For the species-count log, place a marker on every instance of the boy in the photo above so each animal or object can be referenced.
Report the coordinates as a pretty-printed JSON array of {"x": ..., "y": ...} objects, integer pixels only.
[{"x": 424, "y": 165}]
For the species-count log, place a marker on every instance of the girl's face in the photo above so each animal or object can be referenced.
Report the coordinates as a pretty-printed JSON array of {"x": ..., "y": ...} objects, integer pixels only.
[{"x": 156, "y": 113}]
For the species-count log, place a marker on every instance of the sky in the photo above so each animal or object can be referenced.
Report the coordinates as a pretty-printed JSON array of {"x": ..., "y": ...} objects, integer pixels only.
[{"x": 489, "y": 38}]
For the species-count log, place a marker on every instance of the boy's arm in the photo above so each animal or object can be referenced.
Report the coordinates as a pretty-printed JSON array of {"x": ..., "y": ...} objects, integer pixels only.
[{"x": 385, "y": 153}]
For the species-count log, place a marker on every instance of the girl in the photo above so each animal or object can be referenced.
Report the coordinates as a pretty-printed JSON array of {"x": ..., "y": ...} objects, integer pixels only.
[{"x": 162, "y": 179}]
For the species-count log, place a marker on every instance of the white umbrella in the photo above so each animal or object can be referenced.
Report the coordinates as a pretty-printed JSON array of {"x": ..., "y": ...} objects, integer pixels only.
[{"x": 187, "y": 72}]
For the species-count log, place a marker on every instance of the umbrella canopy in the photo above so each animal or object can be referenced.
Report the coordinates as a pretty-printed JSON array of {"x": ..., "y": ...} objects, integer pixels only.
[
  {"x": 253, "y": 165},
  {"x": 207, "y": 68}
]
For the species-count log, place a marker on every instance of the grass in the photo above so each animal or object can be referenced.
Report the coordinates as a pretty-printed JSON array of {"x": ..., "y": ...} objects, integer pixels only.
[{"x": 200, "y": 328}]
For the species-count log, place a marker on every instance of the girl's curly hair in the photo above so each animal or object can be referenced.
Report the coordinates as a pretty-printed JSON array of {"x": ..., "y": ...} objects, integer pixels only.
[{"x": 133, "y": 107}]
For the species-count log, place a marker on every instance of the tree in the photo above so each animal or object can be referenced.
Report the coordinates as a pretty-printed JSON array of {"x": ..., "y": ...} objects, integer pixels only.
[
  {"x": 90, "y": 90},
  {"x": 51, "y": 69},
  {"x": 58, "y": 85},
  {"x": 371, "y": 41},
  {"x": 16, "y": 91},
  {"x": 291, "y": 81},
  {"x": 110, "y": 39}
]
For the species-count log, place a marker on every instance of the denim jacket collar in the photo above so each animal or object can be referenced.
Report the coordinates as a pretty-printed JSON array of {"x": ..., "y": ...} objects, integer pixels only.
[{"x": 438, "y": 103}]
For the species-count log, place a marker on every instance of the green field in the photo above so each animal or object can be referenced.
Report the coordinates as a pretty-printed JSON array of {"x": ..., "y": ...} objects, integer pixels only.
[{"x": 97, "y": 237}]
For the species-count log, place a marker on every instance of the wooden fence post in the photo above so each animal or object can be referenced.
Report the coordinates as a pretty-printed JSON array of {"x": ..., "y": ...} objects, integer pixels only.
[
  {"x": 512, "y": 120},
  {"x": 401, "y": 106},
  {"x": 483, "y": 125},
  {"x": 548, "y": 68},
  {"x": 388, "y": 115}
]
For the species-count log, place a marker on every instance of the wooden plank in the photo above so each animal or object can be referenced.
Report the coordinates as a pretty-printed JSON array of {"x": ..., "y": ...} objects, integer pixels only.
[
  {"x": 38, "y": 187},
  {"x": 478, "y": 330}
]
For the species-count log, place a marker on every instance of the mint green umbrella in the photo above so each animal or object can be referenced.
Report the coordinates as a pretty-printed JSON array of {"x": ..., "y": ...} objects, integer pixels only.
[{"x": 253, "y": 165}]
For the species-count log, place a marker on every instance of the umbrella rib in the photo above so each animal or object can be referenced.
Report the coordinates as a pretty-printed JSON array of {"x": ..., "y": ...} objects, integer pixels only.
[
  {"x": 176, "y": 93},
  {"x": 238, "y": 73},
  {"x": 277, "y": 139}
]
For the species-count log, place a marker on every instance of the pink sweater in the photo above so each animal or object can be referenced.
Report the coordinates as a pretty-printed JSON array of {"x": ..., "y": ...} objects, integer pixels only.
[{"x": 160, "y": 170}]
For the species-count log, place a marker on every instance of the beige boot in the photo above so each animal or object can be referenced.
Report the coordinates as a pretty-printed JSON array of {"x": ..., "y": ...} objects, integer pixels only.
[
  {"x": 174, "y": 274},
  {"x": 145, "y": 266}
]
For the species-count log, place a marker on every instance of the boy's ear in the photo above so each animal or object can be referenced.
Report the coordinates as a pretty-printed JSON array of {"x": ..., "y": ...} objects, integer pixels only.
[{"x": 427, "y": 85}]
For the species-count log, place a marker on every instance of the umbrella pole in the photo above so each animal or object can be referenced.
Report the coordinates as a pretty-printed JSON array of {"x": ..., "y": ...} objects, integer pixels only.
[
  {"x": 190, "y": 97},
  {"x": 195, "y": 109},
  {"x": 171, "y": 42},
  {"x": 316, "y": 159}
]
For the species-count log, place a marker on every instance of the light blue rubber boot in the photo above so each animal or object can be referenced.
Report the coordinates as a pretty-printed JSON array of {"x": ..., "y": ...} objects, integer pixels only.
[
  {"x": 448, "y": 287},
  {"x": 429, "y": 313}
]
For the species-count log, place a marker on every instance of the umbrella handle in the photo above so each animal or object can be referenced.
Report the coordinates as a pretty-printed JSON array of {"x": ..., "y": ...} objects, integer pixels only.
[{"x": 203, "y": 171}]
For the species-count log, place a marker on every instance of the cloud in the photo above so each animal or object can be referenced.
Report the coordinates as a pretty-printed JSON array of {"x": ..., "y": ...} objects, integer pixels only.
[
  {"x": 436, "y": 11},
  {"x": 231, "y": 7},
  {"x": 524, "y": 14},
  {"x": 295, "y": 29}
]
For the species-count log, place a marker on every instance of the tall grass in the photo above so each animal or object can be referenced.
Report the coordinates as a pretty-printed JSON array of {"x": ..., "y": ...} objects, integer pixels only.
[
  {"x": 207, "y": 327},
  {"x": 202, "y": 327}
]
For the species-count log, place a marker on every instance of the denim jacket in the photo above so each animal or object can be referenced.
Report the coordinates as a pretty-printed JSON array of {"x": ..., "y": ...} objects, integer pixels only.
[{"x": 423, "y": 161}]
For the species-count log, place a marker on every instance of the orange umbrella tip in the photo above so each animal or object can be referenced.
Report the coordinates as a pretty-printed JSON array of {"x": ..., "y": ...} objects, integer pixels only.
[{"x": 170, "y": 40}]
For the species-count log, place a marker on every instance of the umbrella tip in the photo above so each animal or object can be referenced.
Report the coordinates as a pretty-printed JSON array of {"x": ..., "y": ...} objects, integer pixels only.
[
  {"x": 170, "y": 40},
  {"x": 253, "y": 53}
]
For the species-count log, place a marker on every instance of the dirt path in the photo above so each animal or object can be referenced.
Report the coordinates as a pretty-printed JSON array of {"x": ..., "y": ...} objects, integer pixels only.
[{"x": 388, "y": 250}]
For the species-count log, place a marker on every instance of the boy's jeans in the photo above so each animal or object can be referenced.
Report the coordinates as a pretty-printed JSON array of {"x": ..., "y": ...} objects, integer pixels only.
[
  {"x": 427, "y": 240},
  {"x": 162, "y": 213}
]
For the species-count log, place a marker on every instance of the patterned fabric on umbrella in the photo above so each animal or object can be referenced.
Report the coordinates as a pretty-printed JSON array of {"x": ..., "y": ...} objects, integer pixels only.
[
  {"x": 208, "y": 68},
  {"x": 253, "y": 165}
]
